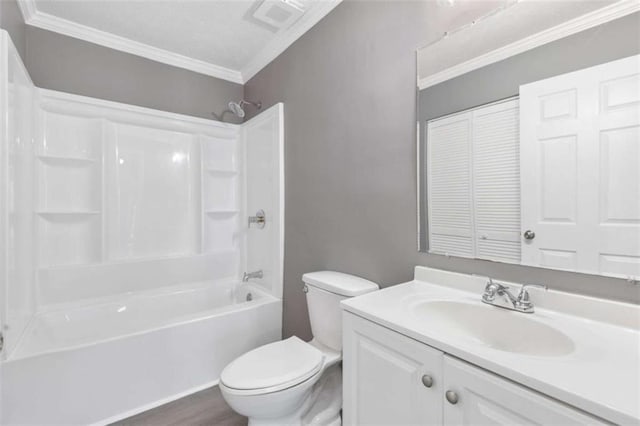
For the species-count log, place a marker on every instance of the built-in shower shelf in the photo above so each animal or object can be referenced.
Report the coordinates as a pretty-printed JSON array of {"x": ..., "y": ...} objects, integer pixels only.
[
  {"x": 68, "y": 213},
  {"x": 221, "y": 212},
  {"x": 66, "y": 161},
  {"x": 222, "y": 172}
]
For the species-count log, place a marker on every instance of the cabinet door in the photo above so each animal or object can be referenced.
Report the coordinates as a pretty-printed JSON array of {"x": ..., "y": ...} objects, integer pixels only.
[
  {"x": 486, "y": 399},
  {"x": 383, "y": 377}
]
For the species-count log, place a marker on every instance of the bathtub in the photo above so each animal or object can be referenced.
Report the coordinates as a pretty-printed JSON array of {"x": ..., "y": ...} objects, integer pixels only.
[{"x": 98, "y": 363}]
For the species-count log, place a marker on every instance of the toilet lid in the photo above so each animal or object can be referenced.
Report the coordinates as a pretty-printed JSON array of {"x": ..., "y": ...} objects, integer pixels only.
[{"x": 280, "y": 364}]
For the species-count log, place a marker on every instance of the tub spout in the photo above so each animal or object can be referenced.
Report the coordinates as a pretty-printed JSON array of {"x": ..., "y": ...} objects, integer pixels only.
[{"x": 248, "y": 275}]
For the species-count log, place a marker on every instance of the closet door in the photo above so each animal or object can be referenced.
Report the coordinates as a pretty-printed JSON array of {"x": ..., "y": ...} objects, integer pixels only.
[
  {"x": 474, "y": 184},
  {"x": 449, "y": 185},
  {"x": 580, "y": 151},
  {"x": 496, "y": 181}
]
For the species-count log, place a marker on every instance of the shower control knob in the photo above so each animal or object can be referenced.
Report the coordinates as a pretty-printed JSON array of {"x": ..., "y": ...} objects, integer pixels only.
[
  {"x": 452, "y": 397},
  {"x": 260, "y": 219},
  {"x": 427, "y": 381},
  {"x": 529, "y": 234}
]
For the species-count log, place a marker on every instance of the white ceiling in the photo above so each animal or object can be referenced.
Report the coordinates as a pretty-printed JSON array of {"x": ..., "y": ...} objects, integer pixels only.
[{"x": 221, "y": 38}]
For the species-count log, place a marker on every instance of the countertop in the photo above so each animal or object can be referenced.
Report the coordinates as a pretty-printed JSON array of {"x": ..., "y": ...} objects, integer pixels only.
[{"x": 601, "y": 376}]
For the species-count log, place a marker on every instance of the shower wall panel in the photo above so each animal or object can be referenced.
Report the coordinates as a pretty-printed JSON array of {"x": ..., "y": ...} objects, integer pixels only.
[
  {"x": 263, "y": 138},
  {"x": 16, "y": 175},
  {"x": 152, "y": 192},
  {"x": 122, "y": 191},
  {"x": 101, "y": 201}
]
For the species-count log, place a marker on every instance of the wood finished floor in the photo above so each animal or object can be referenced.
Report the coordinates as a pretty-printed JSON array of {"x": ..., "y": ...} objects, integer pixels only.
[{"x": 204, "y": 408}]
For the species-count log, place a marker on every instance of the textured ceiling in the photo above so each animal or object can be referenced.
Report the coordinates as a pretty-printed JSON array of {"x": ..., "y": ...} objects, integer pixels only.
[{"x": 218, "y": 32}]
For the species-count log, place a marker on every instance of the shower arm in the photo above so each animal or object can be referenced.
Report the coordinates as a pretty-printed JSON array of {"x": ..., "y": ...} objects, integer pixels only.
[{"x": 258, "y": 104}]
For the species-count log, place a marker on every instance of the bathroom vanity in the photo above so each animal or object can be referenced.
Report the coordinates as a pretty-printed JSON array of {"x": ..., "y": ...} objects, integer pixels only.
[
  {"x": 430, "y": 352},
  {"x": 528, "y": 155}
]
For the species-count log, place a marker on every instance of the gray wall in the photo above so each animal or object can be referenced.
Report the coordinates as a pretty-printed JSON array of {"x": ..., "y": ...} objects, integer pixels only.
[
  {"x": 348, "y": 87},
  {"x": 11, "y": 21},
  {"x": 350, "y": 153},
  {"x": 75, "y": 66},
  {"x": 66, "y": 64}
]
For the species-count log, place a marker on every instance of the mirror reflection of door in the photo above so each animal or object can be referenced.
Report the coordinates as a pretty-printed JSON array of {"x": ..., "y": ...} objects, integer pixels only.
[
  {"x": 580, "y": 147},
  {"x": 530, "y": 153}
]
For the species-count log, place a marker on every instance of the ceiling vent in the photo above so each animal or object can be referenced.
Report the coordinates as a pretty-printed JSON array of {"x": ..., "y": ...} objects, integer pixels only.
[{"x": 279, "y": 14}]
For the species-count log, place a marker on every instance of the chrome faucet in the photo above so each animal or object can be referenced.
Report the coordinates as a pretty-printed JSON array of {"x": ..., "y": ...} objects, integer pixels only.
[
  {"x": 248, "y": 275},
  {"x": 499, "y": 295}
]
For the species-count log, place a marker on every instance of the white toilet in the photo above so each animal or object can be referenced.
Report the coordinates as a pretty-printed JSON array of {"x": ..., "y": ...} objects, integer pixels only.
[{"x": 293, "y": 382}]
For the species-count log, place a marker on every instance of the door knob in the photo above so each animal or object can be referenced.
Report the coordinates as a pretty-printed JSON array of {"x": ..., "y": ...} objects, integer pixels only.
[
  {"x": 452, "y": 397},
  {"x": 529, "y": 234},
  {"x": 427, "y": 381}
]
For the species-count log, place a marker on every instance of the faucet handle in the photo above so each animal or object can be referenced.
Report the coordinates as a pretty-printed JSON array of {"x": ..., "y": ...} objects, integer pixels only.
[
  {"x": 523, "y": 300},
  {"x": 525, "y": 294},
  {"x": 495, "y": 285},
  {"x": 492, "y": 289}
]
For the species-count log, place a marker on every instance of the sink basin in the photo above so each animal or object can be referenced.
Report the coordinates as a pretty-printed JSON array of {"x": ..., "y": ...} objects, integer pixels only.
[{"x": 494, "y": 327}]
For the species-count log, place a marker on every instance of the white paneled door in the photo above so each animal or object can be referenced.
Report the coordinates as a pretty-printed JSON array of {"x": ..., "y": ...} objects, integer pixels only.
[{"x": 580, "y": 175}]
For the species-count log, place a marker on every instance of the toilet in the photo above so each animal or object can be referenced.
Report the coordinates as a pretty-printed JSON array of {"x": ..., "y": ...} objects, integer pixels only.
[{"x": 293, "y": 382}]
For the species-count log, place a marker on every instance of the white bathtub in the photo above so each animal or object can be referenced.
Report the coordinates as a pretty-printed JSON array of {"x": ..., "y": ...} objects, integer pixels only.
[{"x": 126, "y": 354}]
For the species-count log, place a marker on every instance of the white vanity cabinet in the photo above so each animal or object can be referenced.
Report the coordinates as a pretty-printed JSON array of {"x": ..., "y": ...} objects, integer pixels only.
[
  {"x": 484, "y": 398},
  {"x": 391, "y": 379}
]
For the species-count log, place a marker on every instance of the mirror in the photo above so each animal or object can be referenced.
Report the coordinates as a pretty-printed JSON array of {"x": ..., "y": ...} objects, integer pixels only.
[{"x": 529, "y": 138}]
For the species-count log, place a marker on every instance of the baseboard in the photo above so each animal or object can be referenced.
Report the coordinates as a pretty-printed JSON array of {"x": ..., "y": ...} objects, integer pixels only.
[{"x": 154, "y": 404}]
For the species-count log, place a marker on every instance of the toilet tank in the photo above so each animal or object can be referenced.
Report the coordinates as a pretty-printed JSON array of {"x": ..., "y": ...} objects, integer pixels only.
[{"x": 325, "y": 290}]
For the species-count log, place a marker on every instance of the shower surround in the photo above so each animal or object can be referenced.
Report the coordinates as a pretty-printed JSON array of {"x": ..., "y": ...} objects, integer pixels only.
[{"x": 123, "y": 234}]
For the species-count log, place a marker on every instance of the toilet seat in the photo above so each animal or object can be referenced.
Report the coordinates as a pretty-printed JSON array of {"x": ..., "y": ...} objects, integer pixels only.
[{"x": 273, "y": 367}]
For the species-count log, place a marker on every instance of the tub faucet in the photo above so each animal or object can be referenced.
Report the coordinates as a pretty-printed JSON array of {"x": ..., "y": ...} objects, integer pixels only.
[
  {"x": 248, "y": 275},
  {"x": 499, "y": 295}
]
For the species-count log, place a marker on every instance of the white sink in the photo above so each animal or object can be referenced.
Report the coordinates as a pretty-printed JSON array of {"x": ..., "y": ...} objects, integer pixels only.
[
  {"x": 578, "y": 349},
  {"x": 494, "y": 327}
]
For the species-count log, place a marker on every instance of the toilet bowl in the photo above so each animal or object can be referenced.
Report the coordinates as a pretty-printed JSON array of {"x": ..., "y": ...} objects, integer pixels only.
[
  {"x": 293, "y": 382},
  {"x": 258, "y": 385}
]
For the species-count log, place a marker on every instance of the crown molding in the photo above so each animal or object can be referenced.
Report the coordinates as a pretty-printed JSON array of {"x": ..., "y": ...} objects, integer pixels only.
[
  {"x": 274, "y": 48},
  {"x": 285, "y": 39},
  {"x": 72, "y": 29},
  {"x": 573, "y": 26},
  {"x": 27, "y": 8}
]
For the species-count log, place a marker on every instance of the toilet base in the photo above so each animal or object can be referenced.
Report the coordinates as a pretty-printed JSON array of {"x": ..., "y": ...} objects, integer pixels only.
[{"x": 322, "y": 406}]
